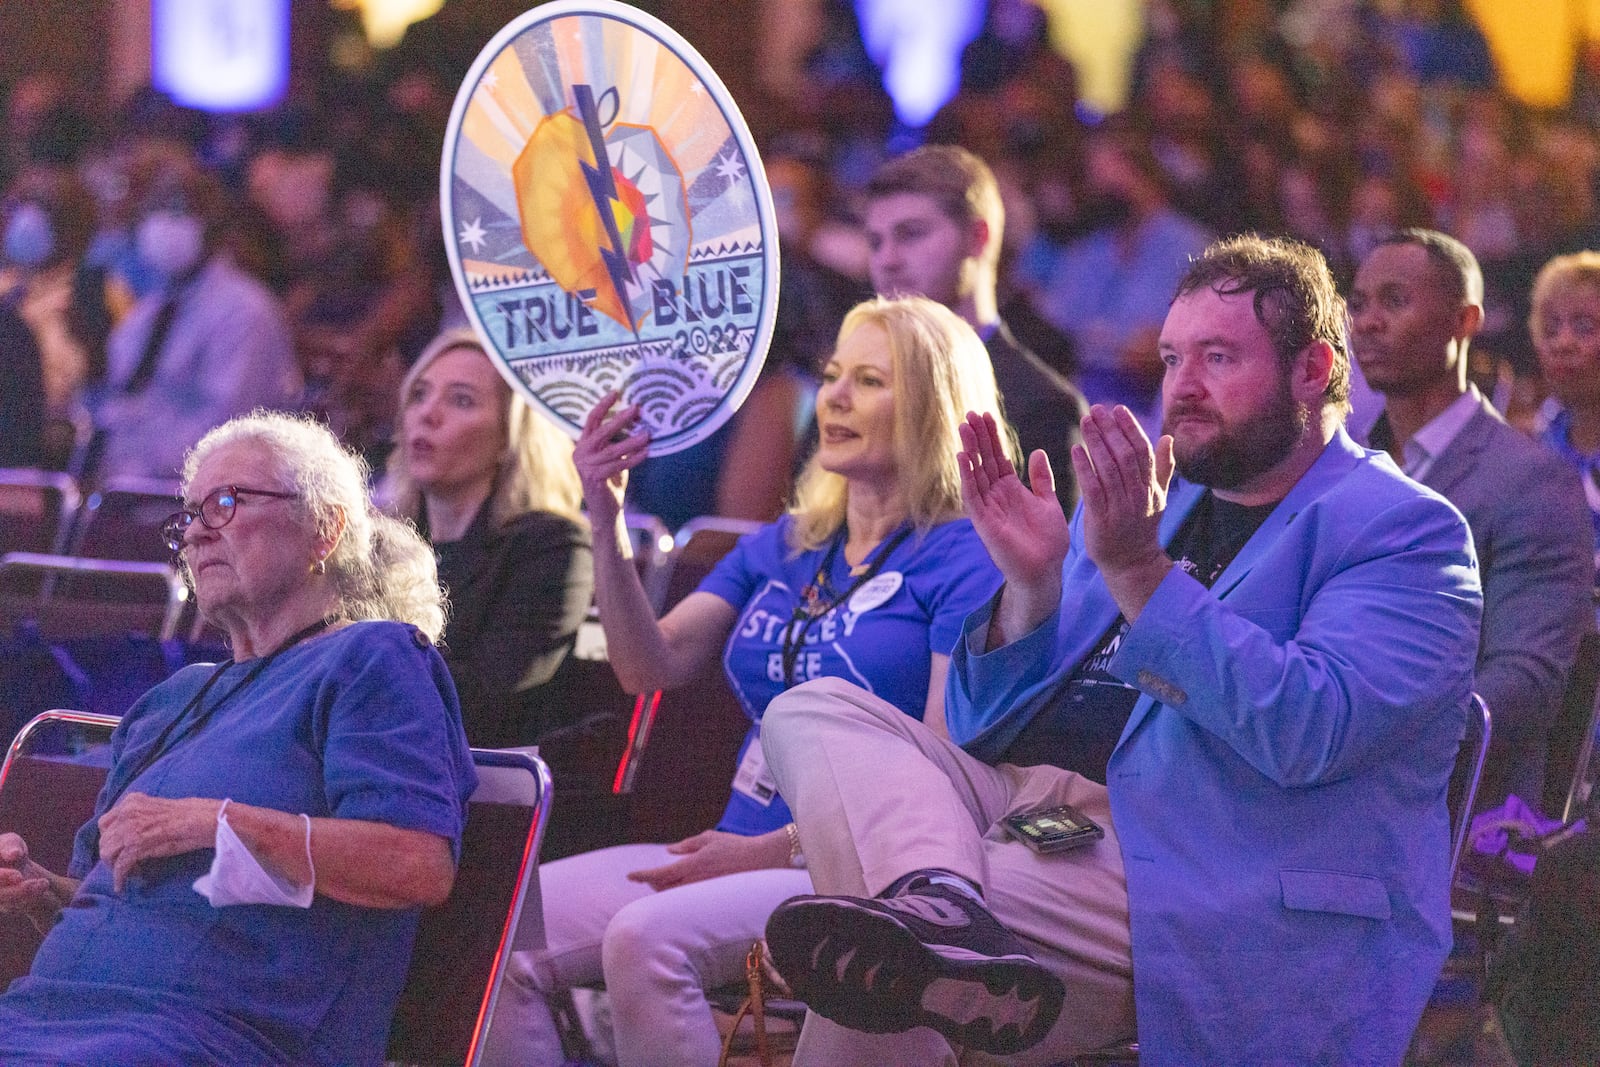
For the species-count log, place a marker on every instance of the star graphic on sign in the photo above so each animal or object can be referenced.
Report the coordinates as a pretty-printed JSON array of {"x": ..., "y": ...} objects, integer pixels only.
[
  {"x": 697, "y": 89},
  {"x": 473, "y": 234},
  {"x": 491, "y": 79},
  {"x": 730, "y": 167}
]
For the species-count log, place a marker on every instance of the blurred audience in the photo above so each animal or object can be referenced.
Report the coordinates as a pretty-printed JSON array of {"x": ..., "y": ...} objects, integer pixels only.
[
  {"x": 1109, "y": 288},
  {"x": 813, "y": 293},
  {"x": 49, "y": 221},
  {"x": 935, "y": 225},
  {"x": 22, "y": 398},
  {"x": 209, "y": 344}
]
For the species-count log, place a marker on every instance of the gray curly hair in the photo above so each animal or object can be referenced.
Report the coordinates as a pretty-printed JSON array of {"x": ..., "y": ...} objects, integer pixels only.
[{"x": 381, "y": 566}]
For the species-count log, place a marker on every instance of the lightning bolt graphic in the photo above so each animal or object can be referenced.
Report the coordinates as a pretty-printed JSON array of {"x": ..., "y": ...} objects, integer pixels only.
[{"x": 603, "y": 190}]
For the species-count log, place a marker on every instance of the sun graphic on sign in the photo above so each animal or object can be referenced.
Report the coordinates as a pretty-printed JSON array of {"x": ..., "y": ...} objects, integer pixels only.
[
  {"x": 633, "y": 218},
  {"x": 603, "y": 208}
]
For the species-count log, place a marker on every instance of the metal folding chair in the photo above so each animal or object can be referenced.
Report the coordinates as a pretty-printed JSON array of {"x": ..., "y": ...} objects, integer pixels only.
[
  {"x": 696, "y": 548},
  {"x": 122, "y": 520},
  {"x": 52, "y": 774},
  {"x": 652, "y": 544},
  {"x": 1468, "y": 773},
  {"x": 1571, "y": 747},
  {"x": 464, "y": 945},
  {"x": 36, "y": 509},
  {"x": 69, "y": 596}
]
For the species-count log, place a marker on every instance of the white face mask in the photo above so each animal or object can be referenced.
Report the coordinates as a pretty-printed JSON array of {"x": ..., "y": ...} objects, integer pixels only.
[
  {"x": 170, "y": 242},
  {"x": 237, "y": 877}
]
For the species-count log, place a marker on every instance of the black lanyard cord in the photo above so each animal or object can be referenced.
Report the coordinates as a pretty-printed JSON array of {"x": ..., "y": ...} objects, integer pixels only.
[
  {"x": 810, "y": 608},
  {"x": 166, "y": 742}
]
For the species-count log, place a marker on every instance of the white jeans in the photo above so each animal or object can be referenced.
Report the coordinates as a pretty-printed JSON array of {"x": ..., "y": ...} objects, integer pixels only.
[
  {"x": 877, "y": 795},
  {"x": 656, "y": 952}
]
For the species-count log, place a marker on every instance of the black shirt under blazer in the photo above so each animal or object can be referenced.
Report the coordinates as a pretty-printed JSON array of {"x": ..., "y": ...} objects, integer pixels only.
[{"x": 517, "y": 596}]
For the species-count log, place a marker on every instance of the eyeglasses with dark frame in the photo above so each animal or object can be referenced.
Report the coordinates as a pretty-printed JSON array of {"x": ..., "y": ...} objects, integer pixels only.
[{"x": 214, "y": 511}]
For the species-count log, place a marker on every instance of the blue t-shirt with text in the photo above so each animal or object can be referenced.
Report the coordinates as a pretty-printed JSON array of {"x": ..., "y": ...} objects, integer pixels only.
[{"x": 881, "y": 638}]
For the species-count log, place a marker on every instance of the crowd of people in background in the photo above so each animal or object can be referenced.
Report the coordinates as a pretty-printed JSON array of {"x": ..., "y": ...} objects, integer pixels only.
[{"x": 316, "y": 226}]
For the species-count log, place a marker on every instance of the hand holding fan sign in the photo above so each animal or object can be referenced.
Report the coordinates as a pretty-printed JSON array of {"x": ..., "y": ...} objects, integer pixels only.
[{"x": 608, "y": 222}]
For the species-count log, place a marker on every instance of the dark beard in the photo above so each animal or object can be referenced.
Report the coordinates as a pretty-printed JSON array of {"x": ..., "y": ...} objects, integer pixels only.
[{"x": 1241, "y": 453}]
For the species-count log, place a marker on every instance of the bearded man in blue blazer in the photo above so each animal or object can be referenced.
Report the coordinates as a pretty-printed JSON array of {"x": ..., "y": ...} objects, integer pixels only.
[{"x": 1254, "y": 678}]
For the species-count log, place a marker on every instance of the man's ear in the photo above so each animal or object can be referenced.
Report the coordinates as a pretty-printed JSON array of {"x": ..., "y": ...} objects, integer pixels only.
[
  {"x": 1308, "y": 380},
  {"x": 1469, "y": 320}
]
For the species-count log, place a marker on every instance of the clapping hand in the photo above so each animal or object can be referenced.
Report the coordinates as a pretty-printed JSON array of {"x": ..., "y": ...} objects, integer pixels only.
[
  {"x": 1124, "y": 483},
  {"x": 1023, "y": 527}
]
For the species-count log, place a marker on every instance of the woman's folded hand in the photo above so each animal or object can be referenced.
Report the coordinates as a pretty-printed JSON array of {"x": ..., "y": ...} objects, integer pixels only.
[
  {"x": 27, "y": 888},
  {"x": 143, "y": 828},
  {"x": 713, "y": 853}
]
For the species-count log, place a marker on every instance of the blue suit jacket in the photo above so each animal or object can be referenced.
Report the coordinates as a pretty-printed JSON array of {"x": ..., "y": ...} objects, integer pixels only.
[{"x": 1279, "y": 790}]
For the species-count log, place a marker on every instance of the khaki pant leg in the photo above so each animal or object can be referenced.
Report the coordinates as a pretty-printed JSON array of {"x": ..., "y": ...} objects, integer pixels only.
[{"x": 877, "y": 795}]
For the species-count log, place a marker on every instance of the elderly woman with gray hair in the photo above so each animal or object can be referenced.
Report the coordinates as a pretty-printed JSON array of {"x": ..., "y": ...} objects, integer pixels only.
[{"x": 271, "y": 825}]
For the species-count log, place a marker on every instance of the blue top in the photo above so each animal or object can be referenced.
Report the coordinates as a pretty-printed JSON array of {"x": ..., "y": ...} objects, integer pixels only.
[
  {"x": 361, "y": 723},
  {"x": 1558, "y": 435},
  {"x": 917, "y": 600}
]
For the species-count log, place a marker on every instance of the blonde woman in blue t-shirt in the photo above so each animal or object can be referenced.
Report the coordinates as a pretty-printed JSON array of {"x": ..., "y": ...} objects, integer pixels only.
[{"x": 868, "y": 577}]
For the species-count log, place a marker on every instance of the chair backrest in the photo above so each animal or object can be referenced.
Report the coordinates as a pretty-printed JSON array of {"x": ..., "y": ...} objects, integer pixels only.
[
  {"x": 594, "y": 757},
  {"x": 464, "y": 945},
  {"x": 696, "y": 549},
  {"x": 52, "y": 774},
  {"x": 683, "y": 787},
  {"x": 652, "y": 545},
  {"x": 69, "y": 596},
  {"x": 1572, "y": 734},
  {"x": 1466, "y": 776},
  {"x": 122, "y": 520},
  {"x": 36, "y": 509}
]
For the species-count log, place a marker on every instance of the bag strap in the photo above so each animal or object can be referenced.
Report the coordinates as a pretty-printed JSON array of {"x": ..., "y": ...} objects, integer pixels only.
[{"x": 754, "y": 1005}]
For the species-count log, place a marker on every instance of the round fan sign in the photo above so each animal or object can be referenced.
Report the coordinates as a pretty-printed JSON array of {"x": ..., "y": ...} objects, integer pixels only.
[{"x": 608, "y": 221}]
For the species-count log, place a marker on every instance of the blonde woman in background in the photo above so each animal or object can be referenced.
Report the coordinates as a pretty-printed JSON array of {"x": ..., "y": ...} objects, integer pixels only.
[
  {"x": 1565, "y": 325},
  {"x": 489, "y": 481}
]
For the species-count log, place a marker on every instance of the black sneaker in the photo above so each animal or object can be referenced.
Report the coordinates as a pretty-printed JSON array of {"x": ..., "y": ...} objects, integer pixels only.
[{"x": 934, "y": 957}]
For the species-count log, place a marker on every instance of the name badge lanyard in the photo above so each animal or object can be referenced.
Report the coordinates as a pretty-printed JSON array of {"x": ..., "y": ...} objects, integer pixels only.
[
  {"x": 811, "y": 606},
  {"x": 166, "y": 741}
]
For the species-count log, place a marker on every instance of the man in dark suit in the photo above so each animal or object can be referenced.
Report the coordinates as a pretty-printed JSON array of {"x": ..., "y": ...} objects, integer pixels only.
[
  {"x": 1416, "y": 305},
  {"x": 934, "y": 223}
]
